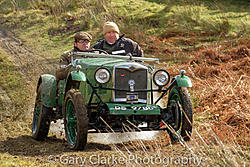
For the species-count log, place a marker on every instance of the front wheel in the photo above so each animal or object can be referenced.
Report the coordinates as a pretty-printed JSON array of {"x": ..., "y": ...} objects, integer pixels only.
[
  {"x": 75, "y": 120},
  {"x": 180, "y": 107},
  {"x": 41, "y": 118}
]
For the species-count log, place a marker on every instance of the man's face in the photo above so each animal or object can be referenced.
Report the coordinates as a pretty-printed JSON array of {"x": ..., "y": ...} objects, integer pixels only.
[
  {"x": 111, "y": 37},
  {"x": 83, "y": 45}
]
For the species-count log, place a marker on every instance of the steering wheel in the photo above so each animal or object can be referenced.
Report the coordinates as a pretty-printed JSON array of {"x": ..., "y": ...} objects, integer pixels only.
[{"x": 99, "y": 50}]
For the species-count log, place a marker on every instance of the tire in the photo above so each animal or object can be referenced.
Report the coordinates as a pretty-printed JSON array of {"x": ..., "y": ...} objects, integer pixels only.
[
  {"x": 180, "y": 106},
  {"x": 41, "y": 118},
  {"x": 75, "y": 120}
]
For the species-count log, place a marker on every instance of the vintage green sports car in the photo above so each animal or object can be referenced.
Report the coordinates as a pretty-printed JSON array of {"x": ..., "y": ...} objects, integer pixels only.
[{"x": 112, "y": 93}]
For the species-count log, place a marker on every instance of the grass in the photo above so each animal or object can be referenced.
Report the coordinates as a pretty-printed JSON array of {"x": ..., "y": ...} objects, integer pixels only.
[
  {"x": 203, "y": 150},
  {"x": 7, "y": 160},
  {"x": 13, "y": 89},
  {"x": 213, "y": 21}
]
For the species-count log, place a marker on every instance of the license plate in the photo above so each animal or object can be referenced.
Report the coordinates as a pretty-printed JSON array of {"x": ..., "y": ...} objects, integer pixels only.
[
  {"x": 140, "y": 108},
  {"x": 132, "y": 97}
]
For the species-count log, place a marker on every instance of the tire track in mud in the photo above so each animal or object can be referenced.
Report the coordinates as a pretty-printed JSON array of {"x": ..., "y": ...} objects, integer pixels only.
[
  {"x": 30, "y": 64},
  {"x": 27, "y": 62}
]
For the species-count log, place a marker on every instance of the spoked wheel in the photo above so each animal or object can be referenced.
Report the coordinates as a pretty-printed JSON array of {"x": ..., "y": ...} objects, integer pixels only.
[
  {"x": 41, "y": 118},
  {"x": 75, "y": 120},
  {"x": 180, "y": 107}
]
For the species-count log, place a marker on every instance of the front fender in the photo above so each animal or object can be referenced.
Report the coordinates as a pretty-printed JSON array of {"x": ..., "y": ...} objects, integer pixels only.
[
  {"x": 48, "y": 90},
  {"x": 78, "y": 76},
  {"x": 183, "y": 81}
]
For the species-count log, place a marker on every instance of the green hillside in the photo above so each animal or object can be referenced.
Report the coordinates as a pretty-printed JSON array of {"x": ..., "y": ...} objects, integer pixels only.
[{"x": 48, "y": 26}]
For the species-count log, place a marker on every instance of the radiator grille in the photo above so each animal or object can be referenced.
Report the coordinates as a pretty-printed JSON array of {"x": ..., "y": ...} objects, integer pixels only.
[{"x": 122, "y": 77}]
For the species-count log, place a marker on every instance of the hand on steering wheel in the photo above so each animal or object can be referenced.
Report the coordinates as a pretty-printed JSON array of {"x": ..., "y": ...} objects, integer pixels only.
[{"x": 99, "y": 50}]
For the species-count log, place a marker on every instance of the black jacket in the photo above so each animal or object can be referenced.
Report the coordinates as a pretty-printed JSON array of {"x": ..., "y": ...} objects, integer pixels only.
[{"x": 123, "y": 46}]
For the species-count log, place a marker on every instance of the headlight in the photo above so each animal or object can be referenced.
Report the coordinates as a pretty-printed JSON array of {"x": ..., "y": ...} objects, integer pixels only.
[
  {"x": 102, "y": 75},
  {"x": 161, "y": 78}
]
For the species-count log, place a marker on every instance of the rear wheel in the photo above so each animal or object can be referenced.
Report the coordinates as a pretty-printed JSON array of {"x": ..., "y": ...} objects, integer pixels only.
[
  {"x": 180, "y": 107},
  {"x": 75, "y": 120},
  {"x": 41, "y": 118}
]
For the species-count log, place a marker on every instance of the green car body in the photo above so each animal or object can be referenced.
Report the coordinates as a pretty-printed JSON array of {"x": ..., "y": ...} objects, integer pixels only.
[{"x": 127, "y": 96}]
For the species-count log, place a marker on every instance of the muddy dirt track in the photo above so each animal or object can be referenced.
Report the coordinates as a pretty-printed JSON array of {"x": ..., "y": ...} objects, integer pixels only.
[{"x": 29, "y": 63}]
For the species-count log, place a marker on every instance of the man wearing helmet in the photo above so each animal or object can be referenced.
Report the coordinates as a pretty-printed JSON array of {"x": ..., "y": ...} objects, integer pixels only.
[
  {"x": 82, "y": 43},
  {"x": 115, "y": 44}
]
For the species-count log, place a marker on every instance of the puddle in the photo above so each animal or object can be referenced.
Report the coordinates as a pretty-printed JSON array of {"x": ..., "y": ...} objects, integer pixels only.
[
  {"x": 57, "y": 128},
  {"x": 114, "y": 138},
  {"x": 107, "y": 138}
]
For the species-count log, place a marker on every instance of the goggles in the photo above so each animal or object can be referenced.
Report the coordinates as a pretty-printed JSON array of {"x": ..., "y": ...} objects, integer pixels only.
[{"x": 83, "y": 41}]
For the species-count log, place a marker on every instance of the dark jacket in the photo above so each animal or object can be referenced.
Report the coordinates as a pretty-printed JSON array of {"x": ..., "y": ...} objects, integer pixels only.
[
  {"x": 65, "y": 60},
  {"x": 122, "y": 46}
]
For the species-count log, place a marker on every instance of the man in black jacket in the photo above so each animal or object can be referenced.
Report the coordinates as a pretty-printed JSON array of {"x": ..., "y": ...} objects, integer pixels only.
[{"x": 115, "y": 44}]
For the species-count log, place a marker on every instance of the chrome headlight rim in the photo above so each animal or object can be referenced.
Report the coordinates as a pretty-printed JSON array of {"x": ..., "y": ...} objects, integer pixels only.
[
  {"x": 167, "y": 77},
  {"x": 102, "y": 69}
]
